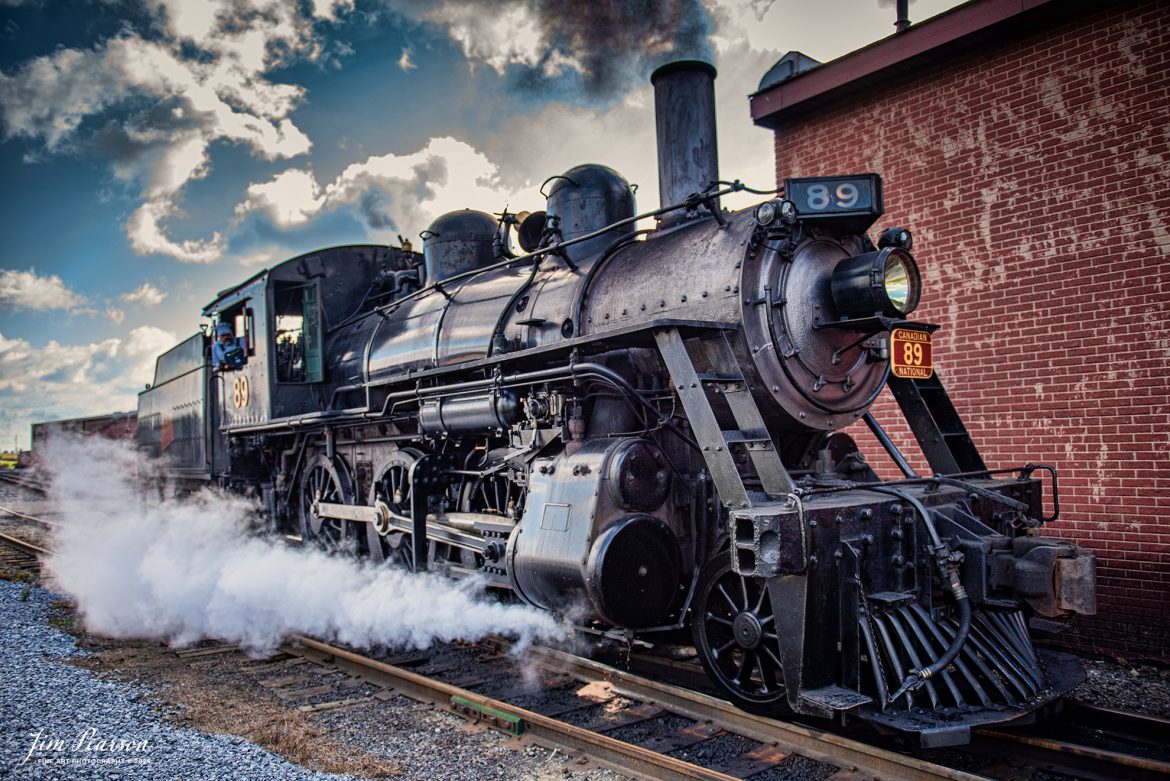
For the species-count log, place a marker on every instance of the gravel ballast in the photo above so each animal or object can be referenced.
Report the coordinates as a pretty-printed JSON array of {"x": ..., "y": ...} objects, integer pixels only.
[
  {"x": 1142, "y": 688},
  {"x": 77, "y": 718}
]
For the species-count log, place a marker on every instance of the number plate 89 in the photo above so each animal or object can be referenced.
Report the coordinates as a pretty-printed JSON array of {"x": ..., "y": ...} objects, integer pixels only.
[{"x": 910, "y": 354}]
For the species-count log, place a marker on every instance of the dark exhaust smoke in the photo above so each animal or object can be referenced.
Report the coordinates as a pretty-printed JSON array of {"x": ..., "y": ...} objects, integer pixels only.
[{"x": 615, "y": 42}]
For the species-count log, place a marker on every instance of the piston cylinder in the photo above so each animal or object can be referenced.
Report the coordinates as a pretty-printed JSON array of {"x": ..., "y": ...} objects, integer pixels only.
[{"x": 581, "y": 546}]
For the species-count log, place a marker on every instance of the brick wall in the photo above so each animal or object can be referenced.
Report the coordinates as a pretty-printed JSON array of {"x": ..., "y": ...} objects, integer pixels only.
[{"x": 1035, "y": 174}]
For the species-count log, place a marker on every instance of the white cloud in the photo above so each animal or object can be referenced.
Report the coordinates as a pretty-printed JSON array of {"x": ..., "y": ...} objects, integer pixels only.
[
  {"x": 264, "y": 256},
  {"x": 509, "y": 33},
  {"x": 573, "y": 49},
  {"x": 193, "y": 21},
  {"x": 54, "y": 380},
  {"x": 751, "y": 22},
  {"x": 406, "y": 192},
  {"x": 222, "y": 94},
  {"x": 145, "y": 294},
  {"x": 145, "y": 343},
  {"x": 404, "y": 61},
  {"x": 291, "y": 198},
  {"x": 329, "y": 9},
  {"x": 530, "y": 148},
  {"x": 29, "y": 290},
  {"x": 395, "y": 193},
  {"x": 26, "y": 368},
  {"x": 147, "y": 235},
  {"x": 770, "y": 25},
  {"x": 115, "y": 315}
]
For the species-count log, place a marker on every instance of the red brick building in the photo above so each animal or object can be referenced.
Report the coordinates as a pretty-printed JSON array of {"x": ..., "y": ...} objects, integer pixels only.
[{"x": 1027, "y": 145}]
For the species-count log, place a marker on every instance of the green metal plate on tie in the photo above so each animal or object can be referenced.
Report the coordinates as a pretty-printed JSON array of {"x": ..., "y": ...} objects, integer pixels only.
[{"x": 493, "y": 717}]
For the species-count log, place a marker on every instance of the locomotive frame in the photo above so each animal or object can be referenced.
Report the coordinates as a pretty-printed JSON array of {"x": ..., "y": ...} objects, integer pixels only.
[{"x": 645, "y": 451}]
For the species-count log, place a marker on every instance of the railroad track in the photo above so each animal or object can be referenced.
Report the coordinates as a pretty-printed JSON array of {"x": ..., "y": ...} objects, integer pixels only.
[
  {"x": 653, "y": 729},
  {"x": 1084, "y": 741},
  {"x": 1088, "y": 742},
  {"x": 44, "y": 523},
  {"x": 639, "y": 727},
  {"x": 22, "y": 480},
  {"x": 16, "y": 553}
]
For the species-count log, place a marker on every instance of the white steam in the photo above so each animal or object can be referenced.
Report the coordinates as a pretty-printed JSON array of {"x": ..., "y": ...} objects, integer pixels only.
[{"x": 187, "y": 569}]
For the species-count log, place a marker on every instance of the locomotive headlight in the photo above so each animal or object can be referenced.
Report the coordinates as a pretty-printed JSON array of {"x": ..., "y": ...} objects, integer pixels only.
[
  {"x": 885, "y": 282},
  {"x": 897, "y": 281},
  {"x": 765, "y": 213}
]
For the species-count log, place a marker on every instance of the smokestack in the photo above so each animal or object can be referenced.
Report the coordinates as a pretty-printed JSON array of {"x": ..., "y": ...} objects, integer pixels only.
[
  {"x": 903, "y": 19},
  {"x": 684, "y": 114}
]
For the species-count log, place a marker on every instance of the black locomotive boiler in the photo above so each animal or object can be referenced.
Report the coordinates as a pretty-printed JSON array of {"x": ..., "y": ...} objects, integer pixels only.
[{"x": 643, "y": 429}]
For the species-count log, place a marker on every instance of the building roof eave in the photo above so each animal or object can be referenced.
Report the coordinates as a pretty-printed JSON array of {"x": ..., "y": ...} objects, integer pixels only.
[{"x": 938, "y": 38}]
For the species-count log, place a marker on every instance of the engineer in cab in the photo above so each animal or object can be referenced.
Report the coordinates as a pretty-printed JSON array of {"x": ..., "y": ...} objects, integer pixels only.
[{"x": 227, "y": 354}]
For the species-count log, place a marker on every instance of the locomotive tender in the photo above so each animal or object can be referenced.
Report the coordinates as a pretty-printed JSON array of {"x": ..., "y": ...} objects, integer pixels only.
[{"x": 642, "y": 429}]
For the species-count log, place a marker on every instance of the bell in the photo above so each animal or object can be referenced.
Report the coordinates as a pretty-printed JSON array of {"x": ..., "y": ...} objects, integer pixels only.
[{"x": 531, "y": 230}]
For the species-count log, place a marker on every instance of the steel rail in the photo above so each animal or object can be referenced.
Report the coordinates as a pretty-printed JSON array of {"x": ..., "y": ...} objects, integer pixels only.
[
  {"x": 876, "y": 760},
  {"x": 1077, "y": 757},
  {"x": 23, "y": 545},
  {"x": 23, "y": 482},
  {"x": 628, "y": 758},
  {"x": 1136, "y": 724},
  {"x": 30, "y": 518}
]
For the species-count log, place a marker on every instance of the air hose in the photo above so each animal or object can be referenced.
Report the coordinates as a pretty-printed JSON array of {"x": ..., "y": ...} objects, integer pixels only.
[{"x": 948, "y": 568}]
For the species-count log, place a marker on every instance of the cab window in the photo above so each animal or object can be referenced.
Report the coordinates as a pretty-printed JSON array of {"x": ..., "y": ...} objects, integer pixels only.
[
  {"x": 244, "y": 327},
  {"x": 297, "y": 334}
]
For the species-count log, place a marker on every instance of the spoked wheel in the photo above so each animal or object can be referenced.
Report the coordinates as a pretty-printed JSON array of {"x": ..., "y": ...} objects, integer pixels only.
[
  {"x": 494, "y": 495},
  {"x": 735, "y": 634},
  {"x": 392, "y": 487},
  {"x": 325, "y": 480}
]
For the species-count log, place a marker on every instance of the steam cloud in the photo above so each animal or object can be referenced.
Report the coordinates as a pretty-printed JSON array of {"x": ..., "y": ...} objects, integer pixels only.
[{"x": 184, "y": 570}]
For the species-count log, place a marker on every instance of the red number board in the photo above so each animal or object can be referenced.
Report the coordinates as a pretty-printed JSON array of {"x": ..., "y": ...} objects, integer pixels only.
[{"x": 910, "y": 354}]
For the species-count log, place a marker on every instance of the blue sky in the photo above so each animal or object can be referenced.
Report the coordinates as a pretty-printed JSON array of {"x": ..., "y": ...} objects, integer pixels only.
[{"x": 156, "y": 151}]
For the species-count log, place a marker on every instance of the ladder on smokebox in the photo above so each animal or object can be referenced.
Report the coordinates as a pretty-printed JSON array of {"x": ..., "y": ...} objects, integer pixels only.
[{"x": 703, "y": 370}]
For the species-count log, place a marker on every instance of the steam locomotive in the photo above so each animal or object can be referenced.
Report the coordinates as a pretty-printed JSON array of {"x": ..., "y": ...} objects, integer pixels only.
[{"x": 643, "y": 429}]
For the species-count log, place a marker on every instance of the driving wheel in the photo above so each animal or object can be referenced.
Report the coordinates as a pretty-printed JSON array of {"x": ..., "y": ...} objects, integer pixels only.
[
  {"x": 391, "y": 486},
  {"x": 325, "y": 480},
  {"x": 735, "y": 633}
]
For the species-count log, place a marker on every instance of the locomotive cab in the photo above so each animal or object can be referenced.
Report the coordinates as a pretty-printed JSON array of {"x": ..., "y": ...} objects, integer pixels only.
[{"x": 289, "y": 317}]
